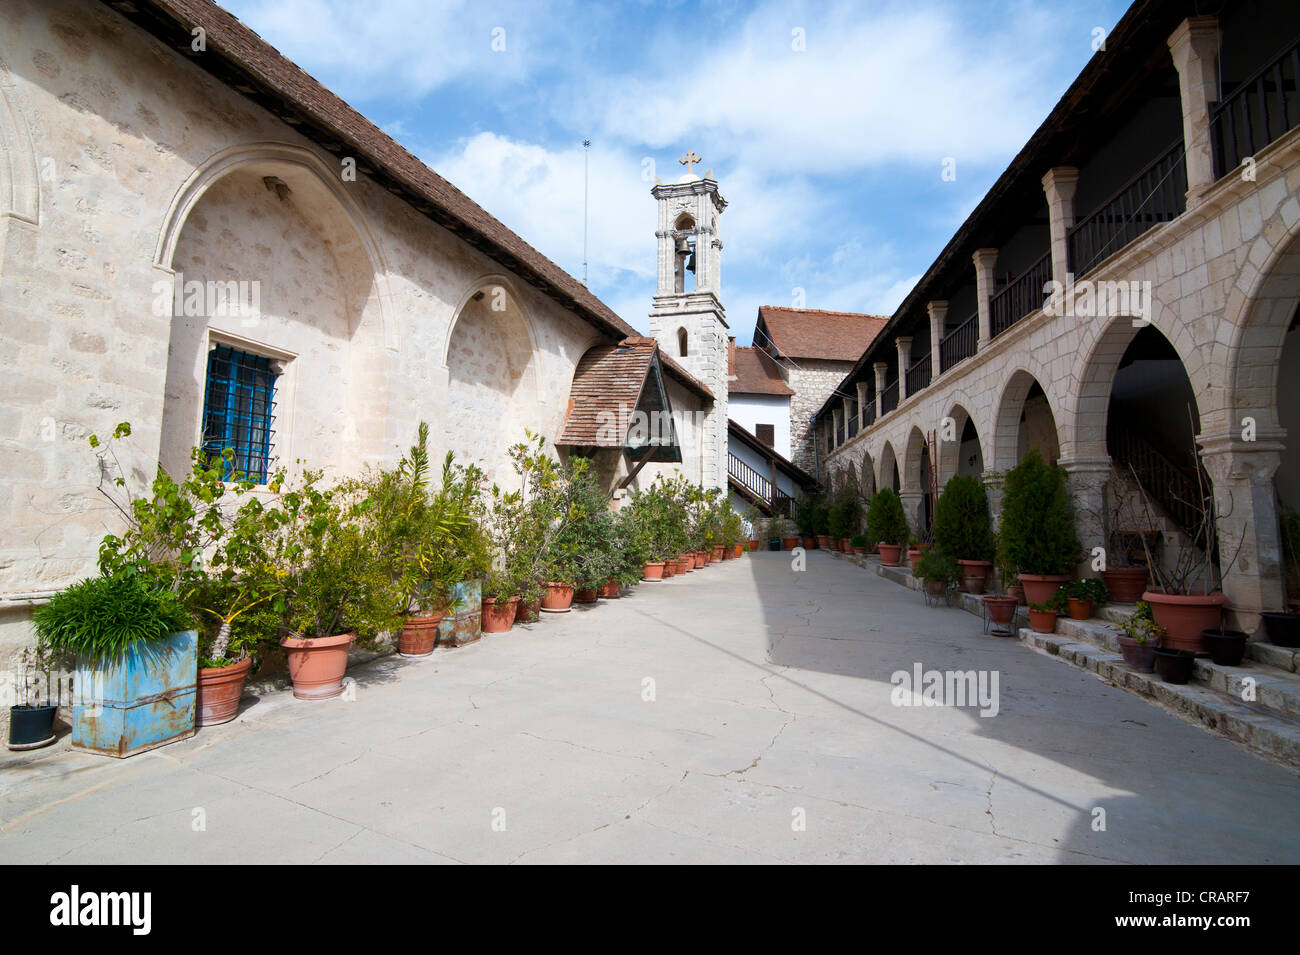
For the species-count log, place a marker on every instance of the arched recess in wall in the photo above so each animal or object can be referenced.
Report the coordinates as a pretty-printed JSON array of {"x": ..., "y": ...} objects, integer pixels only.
[
  {"x": 1264, "y": 362},
  {"x": 889, "y": 476},
  {"x": 19, "y": 174},
  {"x": 493, "y": 390},
  {"x": 963, "y": 455},
  {"x": 1025, "y": 421},
  {"x": 868, "y": 472},
  {"x": 917, "y": 471},
  {"x": 270, "y": 227}
]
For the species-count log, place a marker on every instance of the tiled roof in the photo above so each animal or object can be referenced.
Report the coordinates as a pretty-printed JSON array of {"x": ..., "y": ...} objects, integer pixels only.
[
  {"x": 608, "y": 380},
  {"x": 242, "y": 60},
  {"x": 814, "y": 333},
  {"x": 753, "y": 372}
]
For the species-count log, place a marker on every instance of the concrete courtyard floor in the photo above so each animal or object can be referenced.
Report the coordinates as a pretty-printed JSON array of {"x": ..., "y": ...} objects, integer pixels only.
[{"x": 771, "y": 707}]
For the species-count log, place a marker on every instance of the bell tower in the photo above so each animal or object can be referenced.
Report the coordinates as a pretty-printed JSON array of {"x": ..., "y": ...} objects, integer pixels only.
[{"x": 687, "y": 317}]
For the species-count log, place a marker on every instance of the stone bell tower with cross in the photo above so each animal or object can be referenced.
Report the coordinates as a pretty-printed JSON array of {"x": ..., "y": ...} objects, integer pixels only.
[{"x": 687, "y": 317}]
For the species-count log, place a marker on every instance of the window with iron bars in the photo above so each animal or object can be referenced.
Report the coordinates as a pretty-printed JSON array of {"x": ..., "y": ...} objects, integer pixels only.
[{"x": 239, "y": 410}]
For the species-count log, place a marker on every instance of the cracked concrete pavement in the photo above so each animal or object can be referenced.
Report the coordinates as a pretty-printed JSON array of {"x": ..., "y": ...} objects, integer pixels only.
[{"x": 771, "y": 706}]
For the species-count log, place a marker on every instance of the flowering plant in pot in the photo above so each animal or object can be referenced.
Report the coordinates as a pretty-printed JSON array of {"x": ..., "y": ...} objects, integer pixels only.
[
  {"x": 887, "y": 525},
  {"x": 963, "y": 529},
  {"x": 1139, "y": 635},
  {"x": 1037, "y": 531},
  {"x": 31, "y": 722},
  {"x": 1082, "y": 595}
]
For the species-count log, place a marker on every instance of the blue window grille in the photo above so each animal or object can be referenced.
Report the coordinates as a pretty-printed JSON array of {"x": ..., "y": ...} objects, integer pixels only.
[{"x": 238, "y": 410}]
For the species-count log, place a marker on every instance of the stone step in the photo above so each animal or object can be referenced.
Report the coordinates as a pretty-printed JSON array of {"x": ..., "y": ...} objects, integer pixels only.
[
  {"x": 1270, "y": 723},
  {"x": 1254, "y": 725}
]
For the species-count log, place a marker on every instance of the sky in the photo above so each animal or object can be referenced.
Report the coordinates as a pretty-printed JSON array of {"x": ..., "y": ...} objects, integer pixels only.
[{"x": 829, "y": 126}]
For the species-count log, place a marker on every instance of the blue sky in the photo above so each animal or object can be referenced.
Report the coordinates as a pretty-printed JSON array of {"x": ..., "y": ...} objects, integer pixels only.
[{"x": 829, "y": 156}]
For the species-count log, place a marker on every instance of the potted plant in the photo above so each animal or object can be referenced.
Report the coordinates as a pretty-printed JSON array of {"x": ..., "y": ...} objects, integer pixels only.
[
  {"x": 937, "y": 570},
  {"x": 1001, "y": 604},
  {"x": 1082, "y": 595},
  {"x": 1037, "y": 529},
  {"x": 821, "y": 517},
  {"x": 1042, "y": 615},
  {"x": 136, "y": 654},
  {"x": 1174, "y": 665},
  {"x": 31, "y": 722},
  {"x": 858, "y": 544},
  {"x": 887, "y": 525},
  {"x": 963, "y": 529},
  {"x": 805, "y": 516},
  {"x": 1226, "y": 647},
  {"x": 500, "y": 603},
  {"x": 1139, "y": 635}
]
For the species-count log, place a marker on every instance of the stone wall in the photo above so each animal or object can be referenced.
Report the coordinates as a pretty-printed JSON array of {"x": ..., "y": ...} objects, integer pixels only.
[{"x": 812, "y": 381}]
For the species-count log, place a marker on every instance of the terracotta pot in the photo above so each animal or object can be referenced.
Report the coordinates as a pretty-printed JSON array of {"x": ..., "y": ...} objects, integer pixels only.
[
  {"x": 718, "y": 551},
  {"x": 418, "y": 635},
  {"x": 810, "y": 543},
  {"x": 1174, "y": 666},
  {"x": 753, "y": 545},
  {"x": 913, "y": 555},
  {"x": 1125, "y": 584},
  {"x": 653, "y": 571},
  {"x": 557, "y": 598},
  {"x": 587, "y": 595},
  {"x": 611, "y": 590},
  {"x": 1140, "y": 656},
  {"x": 685, "y": 564},
  {"x": 1080, "y": 607},
  {"x": 737, "y": 550},
  {"x": 974, "y": 575},
  {"x": 1000, "y": 609},
  {"x": 670, "y": 569},
  {"x": 1042, "y": 621},
  {"x": 844, "y": 546},
  {"x": 499, "y": 615},
  {"x": 891, "y": 554},
  {"x": 789, "y": 543},
  {"x": 1039, "y": 588},
  {"x": 859, "y": 551},
  {"x": 1015, "y": 590},
  {"x": 1184, "y": 617},
  {"x": 698, "y": 557},
  {"x": 317, "y": 664},
  {"x": 220, "y": 689},
  {"x": 936, "y": 588},
  {"x": 1226, "y": 647},
  {"x": 528, "y": 611}
]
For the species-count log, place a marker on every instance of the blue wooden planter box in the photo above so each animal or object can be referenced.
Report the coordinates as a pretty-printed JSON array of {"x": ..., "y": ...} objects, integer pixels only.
[
  {"x": 463, "y": 622},
  {"x": 138, "y": 701}
]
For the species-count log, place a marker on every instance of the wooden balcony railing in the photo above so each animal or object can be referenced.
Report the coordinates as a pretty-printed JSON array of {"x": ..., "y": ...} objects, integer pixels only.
[
  {"x": 759, "y": 487},
  {"x": 959, "y": 343},
  {"x": 1023, "y": 296},
  {"x": 1258, "y": 111},
  {"x": 918, "y": 376},
  {"x": 1156, "y": 194}
]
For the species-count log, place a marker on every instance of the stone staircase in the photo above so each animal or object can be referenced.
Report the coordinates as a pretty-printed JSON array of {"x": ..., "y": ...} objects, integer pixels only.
[{"x": 1218, "y": 697}]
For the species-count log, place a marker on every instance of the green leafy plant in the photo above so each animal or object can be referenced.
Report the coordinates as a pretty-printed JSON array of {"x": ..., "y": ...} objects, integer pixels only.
[
  {"x": 105, "y": 617},
  {"x": 1056, "y": 602},
  {"x": 1038, "y": 532},
  {"x": 1141, "y": 625},
  {"x": 886, "y": 521},
  {"x": 858, "y": 540},
  {"x": 1088, "y": 588},
  {"x": 935, "y": 565},
  {"x": 963, "y": 526}
]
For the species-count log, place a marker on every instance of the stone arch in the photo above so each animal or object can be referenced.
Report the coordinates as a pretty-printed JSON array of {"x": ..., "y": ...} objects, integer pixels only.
[
  {"x": 1040, "y": 421},
  {"x": 19, "y": 173},
  {"x": 954, "y": 455},
  {"x": 867, "y": 472},
  {"x": 889, "y": 474},
  {"x": 277, "y": 217},
  {"x": 493, "y": 383},
  {"x": 917, "y": 449}
]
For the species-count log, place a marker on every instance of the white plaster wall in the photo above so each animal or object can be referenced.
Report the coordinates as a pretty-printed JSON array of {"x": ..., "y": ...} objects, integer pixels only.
[{"x": 749, "y": 411}]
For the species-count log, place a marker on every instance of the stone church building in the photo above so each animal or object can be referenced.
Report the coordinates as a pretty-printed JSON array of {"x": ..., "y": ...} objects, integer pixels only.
[{"x": 198, "y": 238}]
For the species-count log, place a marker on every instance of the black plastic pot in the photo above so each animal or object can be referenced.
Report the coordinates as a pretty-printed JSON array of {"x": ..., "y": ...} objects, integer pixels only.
[
  {"x": 1174, "y": 666},
  {"x": 31, "y": 727},
  {"x": 1226, "y": 647},
  {"x": 1283, "y": 628},
  {"x": 774, "y": 544}
]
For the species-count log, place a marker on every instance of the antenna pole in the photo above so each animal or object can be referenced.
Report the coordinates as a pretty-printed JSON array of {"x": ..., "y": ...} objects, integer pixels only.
[{"x": 586, "y": 150}]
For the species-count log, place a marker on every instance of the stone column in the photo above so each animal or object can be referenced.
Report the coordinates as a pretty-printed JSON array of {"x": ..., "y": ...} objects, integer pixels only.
[
  {"x": 1195, "y": 50},
  {"x": 880, "y": 368},
  {"x": 1060, "y": 184},
  {"x": 993, "y": 485},
  {"x": 938, "y": 312},
  {"x": 904, "y": 345},
  {"x": 911, "y": 500},
  {"x": 1247, "y": 522},
  {"x": 862, "y": 404},
  {"x": 844, "y": 403},
  {"x": 985, "y": 260},
  {"x": 1088, "y": 479}
]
